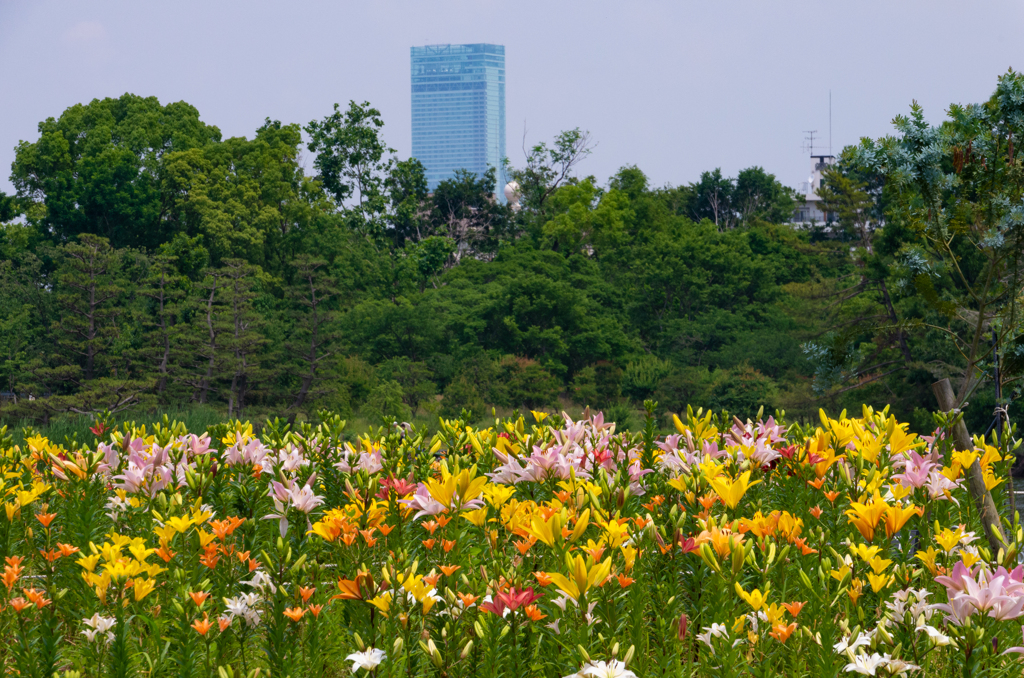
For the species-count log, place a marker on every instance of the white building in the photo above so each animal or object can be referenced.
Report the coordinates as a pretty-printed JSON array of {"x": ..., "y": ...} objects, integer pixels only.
[{"x": 808, "y": 210}]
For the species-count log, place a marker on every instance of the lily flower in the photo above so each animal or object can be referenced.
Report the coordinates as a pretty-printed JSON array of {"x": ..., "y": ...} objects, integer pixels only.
[
  {"x": 730, "y": 490},
  {"x": 367, "y": 660},
  {"x": 582, "y": 577}
]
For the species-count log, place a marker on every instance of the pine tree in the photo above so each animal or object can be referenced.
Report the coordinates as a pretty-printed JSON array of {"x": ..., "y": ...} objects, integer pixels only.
[
  {"x": 243, "y": 343},
  {"x": 199, "y": 338},
  {"x": 83, "y": 373},
  {"x": 315, "y": 332},
  {"x": 164, "y": 287}
]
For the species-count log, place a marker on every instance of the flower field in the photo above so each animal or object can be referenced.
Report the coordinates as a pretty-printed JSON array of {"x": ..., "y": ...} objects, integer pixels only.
[{"x": 540, "y": 546}]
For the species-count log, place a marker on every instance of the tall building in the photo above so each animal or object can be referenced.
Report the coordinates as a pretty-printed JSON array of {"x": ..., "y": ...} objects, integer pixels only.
[{"x": 458, "y": 109}]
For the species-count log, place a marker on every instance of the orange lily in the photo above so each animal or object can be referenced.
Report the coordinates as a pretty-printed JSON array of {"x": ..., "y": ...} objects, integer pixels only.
[{"x": 202, "y": 626}]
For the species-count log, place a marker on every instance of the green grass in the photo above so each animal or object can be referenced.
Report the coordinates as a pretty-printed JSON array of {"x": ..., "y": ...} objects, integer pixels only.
[{"x": 68, "y": 429}]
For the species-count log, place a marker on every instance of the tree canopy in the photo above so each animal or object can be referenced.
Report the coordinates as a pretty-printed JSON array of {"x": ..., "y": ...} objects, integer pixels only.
[{"x": 147, "y": 262}]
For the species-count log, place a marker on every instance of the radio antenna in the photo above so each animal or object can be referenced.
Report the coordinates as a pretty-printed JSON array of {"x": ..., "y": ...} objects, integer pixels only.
[{"x": 809, "y": 139}]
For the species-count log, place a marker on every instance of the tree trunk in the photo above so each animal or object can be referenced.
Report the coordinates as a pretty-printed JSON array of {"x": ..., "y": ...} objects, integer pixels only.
[
  {"x": 900, "y": 336},
  {"x": 976, "y": 483},
  {"x": 90, "y": 346},
  {"x": 213, "y": 347},
  {"x": 162, "y": 383}
]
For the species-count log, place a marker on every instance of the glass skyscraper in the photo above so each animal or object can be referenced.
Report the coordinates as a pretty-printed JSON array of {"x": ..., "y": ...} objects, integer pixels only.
[{"x": 458, "y": 109}]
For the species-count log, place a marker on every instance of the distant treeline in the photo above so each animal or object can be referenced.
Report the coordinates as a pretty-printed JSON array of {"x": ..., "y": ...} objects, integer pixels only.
[{"x": 147, "y": 263}]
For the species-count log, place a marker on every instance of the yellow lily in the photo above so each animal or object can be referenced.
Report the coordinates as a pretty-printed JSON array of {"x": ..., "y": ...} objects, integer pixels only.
[
  {"x": 856, "y": 590},
  {"x": 899, "y": 439},
  {"x": 466, "y": 485},
  {"x": 775, "y": 614},
  {"x": 969, "y": 559},
  {"x": 865, "y": 516},
  {"x": 89, "y": 562},
  {"x": 948, "y": 539},
  {"x": 414, "y": 585},
  {"x": 583, "y": 578},
  {"x": 616, "y": 532},
  {"x": 789, "y": 525},
  {"x": 139, "y": 551},
  {"x": 755, "y": 598},
  {"x": 739, "y": 623},
  {"x": 178, "y": 523},
  {"x": 678, "y": 483},
  {"x": 965, "y": 458},
  {"x": 841, "y": 573},
  {"x": 864, "y": 551},
  {"x": 477, "y": 517},
  {"x": 879, "y": 581},
  {"x": 928, "y": 558},
  {"x": 760, "y": 525},
  {"x": 142, "y": 587},
  {"x": 546, "y": 531},
  {"x": 879, "y": 565},
  {"x": 496, "y": 495},
  {"x": 731, "y": 491},
  {"x": 382, "y": 602},
  {"x": 991, "y": 482},
  {"x": 165, "y": 534},
  {"x": 629, "y": 554},
  {"x": 896, "y": 517}
]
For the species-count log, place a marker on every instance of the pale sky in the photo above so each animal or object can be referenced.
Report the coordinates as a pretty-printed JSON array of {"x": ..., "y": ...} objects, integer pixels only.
[{"x": 673, "y": 87}]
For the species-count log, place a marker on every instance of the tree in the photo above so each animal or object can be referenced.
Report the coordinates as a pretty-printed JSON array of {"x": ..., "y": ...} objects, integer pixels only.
[
  {"x": 25, "y": 308},
  {"x": 243, "y": 341},
  {"x": 97, "y": 169},
  {"x": 88, "y": 282},
  {"x": 465, "y": 210},
  {"x": 201, "y": 357},
  {"x": 8, "y": 207},
  {"x": 547, "y": 168},
  {"x": 864, "y": 341},
  {"x": 760, "y": 196},
  {"x": 164, "y": 287},
  {"x": 315, "y": 329},
  {"x": 407, "y": 191},
  {"x": 584, "y": 218},
  {"x": 352, "y": 159},
  {"x": 956, "y": 190},
  {"x": 243, "y": 199},
  {"x": 712, "y": 199},
  {"x": 83, "y": 372}
]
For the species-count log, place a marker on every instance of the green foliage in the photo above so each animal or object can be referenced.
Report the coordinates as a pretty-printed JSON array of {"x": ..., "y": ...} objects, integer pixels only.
[
  {"x": 97, "y": 168},
  {"x": 642, "y": 376},
  {"x": 528, "y": 385},
  {"x": 386, "y": 400},
  {"x": 222, "y": 275}
]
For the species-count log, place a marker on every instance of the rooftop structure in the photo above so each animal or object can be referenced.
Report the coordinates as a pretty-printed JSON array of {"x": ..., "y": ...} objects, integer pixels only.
[{"x": 808, "y": 210}]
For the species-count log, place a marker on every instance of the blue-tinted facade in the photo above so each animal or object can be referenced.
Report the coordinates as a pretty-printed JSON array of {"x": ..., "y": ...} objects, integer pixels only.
[{"x": 458, "y": 109}]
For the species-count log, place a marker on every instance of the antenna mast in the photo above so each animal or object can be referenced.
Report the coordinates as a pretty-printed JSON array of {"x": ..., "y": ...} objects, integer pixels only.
[
  {"x": 809, "y": 139},
  {"x": 830, "y": 122}
]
